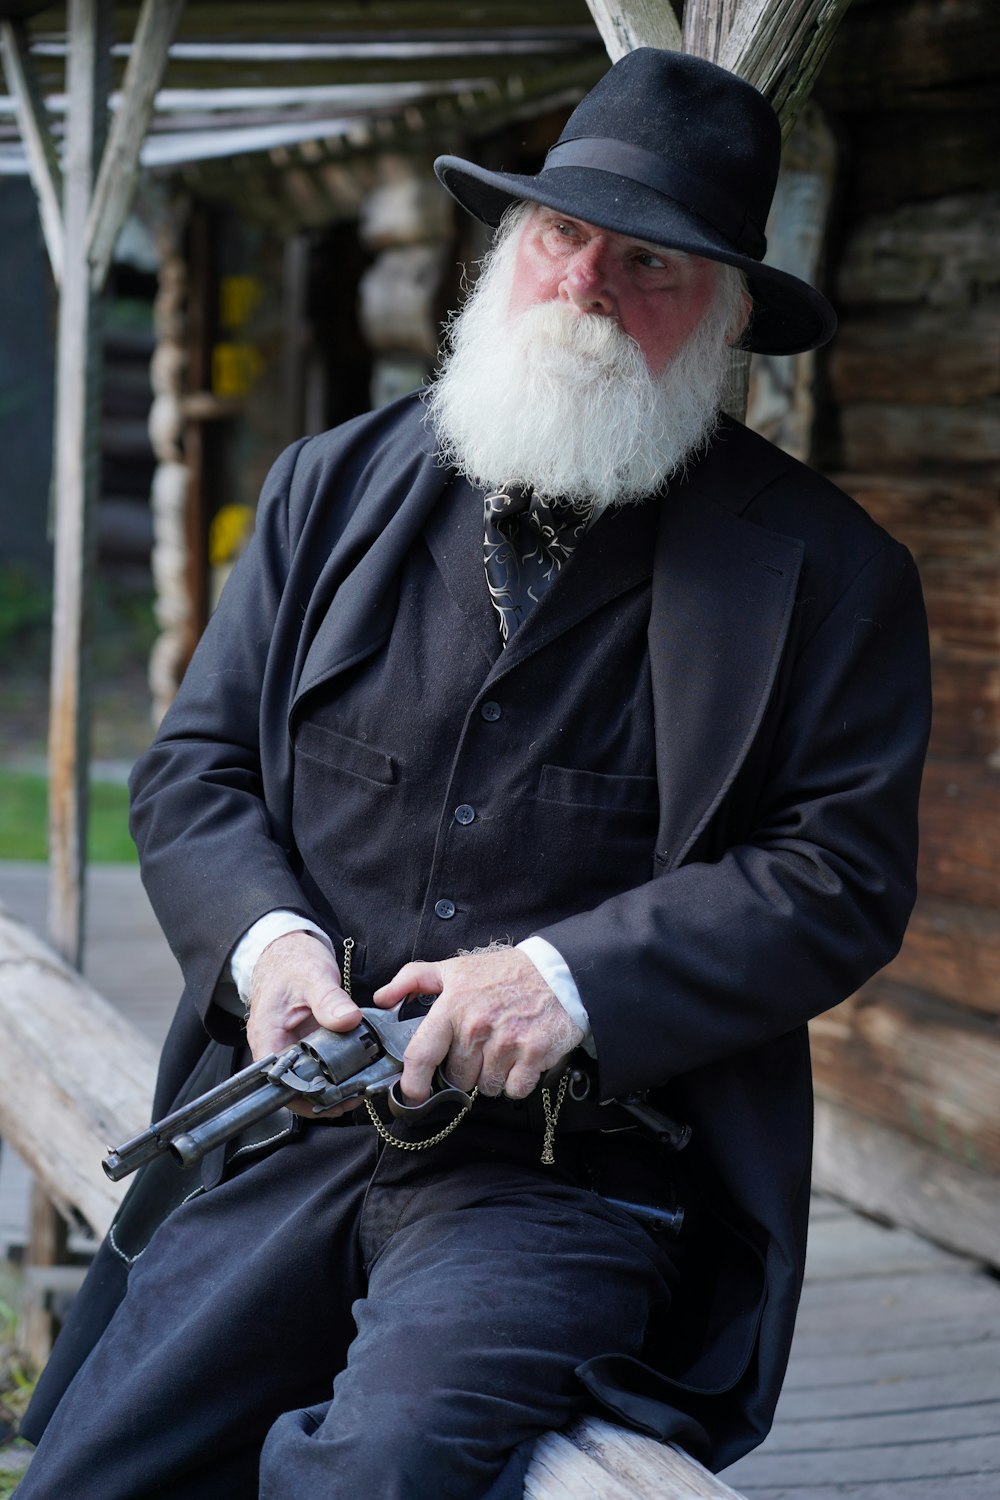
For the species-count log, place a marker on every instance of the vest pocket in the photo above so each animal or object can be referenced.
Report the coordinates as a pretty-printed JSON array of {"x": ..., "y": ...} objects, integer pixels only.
[
  {"x": 596, "y": 789},
  {"x": 341, "y": 753}
]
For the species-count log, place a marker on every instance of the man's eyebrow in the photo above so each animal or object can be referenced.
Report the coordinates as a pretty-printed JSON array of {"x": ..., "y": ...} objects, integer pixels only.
[{"x": 663, "y": 250}]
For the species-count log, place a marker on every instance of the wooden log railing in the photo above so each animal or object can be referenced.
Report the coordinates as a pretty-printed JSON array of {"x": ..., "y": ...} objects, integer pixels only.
[{"x": 76, "y": 1075}]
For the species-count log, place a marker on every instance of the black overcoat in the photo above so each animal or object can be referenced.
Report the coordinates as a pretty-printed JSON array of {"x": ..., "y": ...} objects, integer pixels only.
[{"x": 788, "y": 656}]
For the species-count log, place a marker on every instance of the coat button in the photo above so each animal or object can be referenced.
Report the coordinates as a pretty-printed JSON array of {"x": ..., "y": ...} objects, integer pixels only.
[
  {"x": 444, "y": 908},
  {"x": 490, "y": 711},
  {"x": 464, "y": 813}
]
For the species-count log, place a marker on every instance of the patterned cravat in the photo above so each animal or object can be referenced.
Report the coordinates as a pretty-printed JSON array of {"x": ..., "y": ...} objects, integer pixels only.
[{"x": 527, "y": 541}]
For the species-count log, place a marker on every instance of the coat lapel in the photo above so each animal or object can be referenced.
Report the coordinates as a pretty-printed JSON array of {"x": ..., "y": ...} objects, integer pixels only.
[
  {"x": 723, "y": 594},
  {"x": 362, "y": 572}
]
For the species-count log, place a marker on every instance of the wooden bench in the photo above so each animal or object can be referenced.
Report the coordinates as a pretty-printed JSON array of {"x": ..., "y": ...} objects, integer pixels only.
[{"x": 76, "y": 1076}]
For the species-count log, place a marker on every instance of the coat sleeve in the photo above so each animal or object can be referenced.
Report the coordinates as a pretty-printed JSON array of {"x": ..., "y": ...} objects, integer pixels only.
[
  {"x": 802, "y": 886},
  {"x": 209, "y": 858}
]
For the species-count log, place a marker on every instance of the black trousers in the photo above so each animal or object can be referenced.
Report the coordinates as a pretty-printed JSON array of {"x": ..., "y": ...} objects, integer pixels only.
[{"x": 344, "y": 1318}]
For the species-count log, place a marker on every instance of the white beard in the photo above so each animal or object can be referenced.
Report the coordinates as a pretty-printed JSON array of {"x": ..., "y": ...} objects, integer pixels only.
[{"x": 564, "y": 403}]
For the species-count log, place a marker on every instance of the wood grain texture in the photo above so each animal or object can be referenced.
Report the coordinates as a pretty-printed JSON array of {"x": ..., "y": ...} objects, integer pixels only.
[
  {"x": 596, "y": 1460},
  {"x": 924, "y": 1067},
  {"x": 890, "y": 1173},
  {"x": 74, "y": 1076}
]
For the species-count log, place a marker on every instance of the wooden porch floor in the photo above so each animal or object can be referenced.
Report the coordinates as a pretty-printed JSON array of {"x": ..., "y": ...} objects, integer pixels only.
[
  {"x": 893, "y": 1392},
  {"x": 894, "y": 1387}
]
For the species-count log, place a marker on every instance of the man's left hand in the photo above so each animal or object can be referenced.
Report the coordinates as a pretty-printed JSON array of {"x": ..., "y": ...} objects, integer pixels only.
[{"x": 496, "y": 1024}]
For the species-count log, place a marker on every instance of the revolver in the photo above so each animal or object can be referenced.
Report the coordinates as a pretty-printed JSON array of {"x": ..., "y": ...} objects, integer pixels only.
[{"x": 324, "y": 1069}]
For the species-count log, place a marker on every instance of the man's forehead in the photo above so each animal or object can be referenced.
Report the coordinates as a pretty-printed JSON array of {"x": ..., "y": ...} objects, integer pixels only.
[{"x": 542, "y": 211}]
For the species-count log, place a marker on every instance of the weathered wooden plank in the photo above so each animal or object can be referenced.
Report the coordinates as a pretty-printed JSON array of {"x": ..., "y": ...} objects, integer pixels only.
[
  {"x": 938, "y": 252},
  {"x": 960, "y": 832},
  {"x": 966, "y": 704},
  {"x": 940, "y": 1461},
  {"x": 953, "y": 951},
  {"x": 915, "y": 1063},
  {"x": 74, "y": 476},
  {"x": 973, "y": 1487},
  {"x": 859, "y": 1398},
  {"x": 893, "y": 1175},
  {"x": 877, "y": 1304},
  {"x": 890, "y": 434},
  {"x": 977, "y": 1419},
  {"x": 39, "y": 145},
  {"x": 889, "y": 1366},
  {"x": 594, "y": 1458},
  {"x": 918, "y": 155},
  {"x": 119, "y": 169},
  {"x": 901, "y": 54},
  {"x": 706, "y": 26},
  {"x": 963, "y": 608},
  {"x": 627, "y": 24},
  {"x": 74, "y": 1075},
  {"x": 949, "y": 355},
  {"x": 936, "y": 514},
  {"x": 779, "y": 46},
  {"x": 953, "y": 1330},
  {"x": 844, "y": 1249}
]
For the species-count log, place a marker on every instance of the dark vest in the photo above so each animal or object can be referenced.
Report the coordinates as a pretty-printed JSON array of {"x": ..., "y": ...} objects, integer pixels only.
[{"x": 482, "y": 793}]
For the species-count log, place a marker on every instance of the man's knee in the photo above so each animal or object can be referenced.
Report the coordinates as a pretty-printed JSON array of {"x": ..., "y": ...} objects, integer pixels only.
[{"x": 403, "y": 1452}]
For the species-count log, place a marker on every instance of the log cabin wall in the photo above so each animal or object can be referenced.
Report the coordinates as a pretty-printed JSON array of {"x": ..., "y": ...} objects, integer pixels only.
[{"x": 907, "y": 1072}]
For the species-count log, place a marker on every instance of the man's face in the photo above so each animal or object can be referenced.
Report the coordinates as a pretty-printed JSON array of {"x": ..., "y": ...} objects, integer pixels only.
[{"x": 656, "y": 296}]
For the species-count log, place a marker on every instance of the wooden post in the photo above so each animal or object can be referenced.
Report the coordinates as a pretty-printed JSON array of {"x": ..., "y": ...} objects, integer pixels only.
[
  {"x": 94, "y": 207},
  {"x": 89, "y": 24},
  {"x": 39, "y": 146},
  {"x": 627, "y": 24}
]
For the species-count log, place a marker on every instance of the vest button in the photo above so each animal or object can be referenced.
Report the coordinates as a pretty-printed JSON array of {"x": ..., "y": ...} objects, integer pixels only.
[
  {"x": 490, "y": 711},
  {"x": 444, "y": 908},
  {"x": 464, "y": 813}
]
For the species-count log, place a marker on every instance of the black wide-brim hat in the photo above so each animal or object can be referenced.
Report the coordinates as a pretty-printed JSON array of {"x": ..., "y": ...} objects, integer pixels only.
[{"x": 675, "y": 150}]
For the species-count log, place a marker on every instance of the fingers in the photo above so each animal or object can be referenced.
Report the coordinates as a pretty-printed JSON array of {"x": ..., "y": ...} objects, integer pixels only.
[
  {"x": 296, "y": 987},
  {"x": 412, "y": 979},
  {"x": 428, "y": 1047},
  {"x": 495, "y": 1025}
]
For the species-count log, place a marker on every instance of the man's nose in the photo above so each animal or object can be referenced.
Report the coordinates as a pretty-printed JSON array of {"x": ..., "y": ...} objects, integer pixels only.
[{"x": 587, "y": 284}]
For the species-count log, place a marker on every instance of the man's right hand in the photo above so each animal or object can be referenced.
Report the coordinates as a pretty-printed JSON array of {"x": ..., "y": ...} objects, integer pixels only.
[{"x": 295, "y": 988}]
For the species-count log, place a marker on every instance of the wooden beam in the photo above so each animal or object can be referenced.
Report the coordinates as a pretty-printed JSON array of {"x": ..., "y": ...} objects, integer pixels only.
[
  {"x": 779, "y": 47},
  {"x": 119, "y": 169},
  {"x": 627, "y": 24},
  {"x": 903, "y": 1181},
  {"x": 74, "y": 465},
  {"x": 599, "y": 1460},
  {"x": 39, "y": 145},
  {"x": 75, "y": 1076},
  {"x": 707, "y": 24}
]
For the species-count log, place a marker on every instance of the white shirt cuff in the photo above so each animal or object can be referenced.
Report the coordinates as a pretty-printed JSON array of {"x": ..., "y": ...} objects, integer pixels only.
[
  {"x": 274, "y": 924},
  {"x": 554, "y": 970}
]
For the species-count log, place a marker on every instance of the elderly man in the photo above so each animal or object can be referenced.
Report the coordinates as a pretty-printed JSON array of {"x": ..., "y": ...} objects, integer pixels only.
[{"x": 560, "y": 698}]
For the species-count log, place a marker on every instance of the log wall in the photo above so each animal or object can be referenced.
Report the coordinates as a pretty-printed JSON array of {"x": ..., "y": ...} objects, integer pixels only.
[{"x": 913, "y": 382}]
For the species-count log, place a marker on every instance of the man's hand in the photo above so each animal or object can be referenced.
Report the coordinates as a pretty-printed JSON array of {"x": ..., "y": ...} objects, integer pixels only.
[
  {"x": 496, "y": 1024},
  {"x": 296, "y": 987}
]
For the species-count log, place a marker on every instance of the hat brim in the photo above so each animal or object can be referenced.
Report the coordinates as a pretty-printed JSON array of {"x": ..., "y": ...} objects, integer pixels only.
[{"x": 789, "y": 315}]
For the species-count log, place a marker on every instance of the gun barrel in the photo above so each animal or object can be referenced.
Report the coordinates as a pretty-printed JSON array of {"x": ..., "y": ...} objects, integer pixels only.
[
  {"x": 189, "y": 1146},
  {"x": 156, "y": 1138}
]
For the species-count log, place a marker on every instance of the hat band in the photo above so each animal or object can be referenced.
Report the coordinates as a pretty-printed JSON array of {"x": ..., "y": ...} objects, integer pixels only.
[{"x": 602, "y": 154}]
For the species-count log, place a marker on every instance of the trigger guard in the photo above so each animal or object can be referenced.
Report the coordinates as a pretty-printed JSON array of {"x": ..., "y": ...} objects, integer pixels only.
[{"x": 446, "y": 1098}]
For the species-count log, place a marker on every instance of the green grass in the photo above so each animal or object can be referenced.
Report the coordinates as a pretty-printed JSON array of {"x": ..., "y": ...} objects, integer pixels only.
[{"x": 24, "y": 820}]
